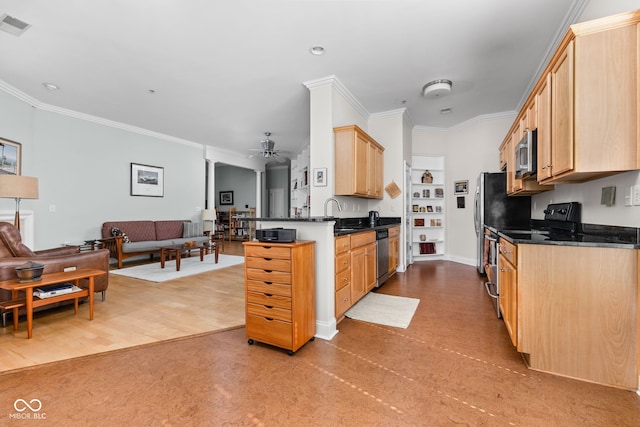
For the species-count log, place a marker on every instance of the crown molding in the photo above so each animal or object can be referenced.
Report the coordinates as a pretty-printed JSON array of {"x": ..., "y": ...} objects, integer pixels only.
[
  {"x": 93, "y": 119},
  {"x": 336, "y": 84}
]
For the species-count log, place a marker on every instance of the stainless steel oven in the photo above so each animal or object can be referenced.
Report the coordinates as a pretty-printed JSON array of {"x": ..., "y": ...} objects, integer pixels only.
[{"x": 491, "y": 267}]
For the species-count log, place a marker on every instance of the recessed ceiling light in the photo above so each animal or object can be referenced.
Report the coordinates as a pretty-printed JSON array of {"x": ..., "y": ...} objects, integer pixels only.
[
  {"x": 50, "y": 86},
  {"x": 317, "y": 50},
  {"x": 447, "y": 110}
]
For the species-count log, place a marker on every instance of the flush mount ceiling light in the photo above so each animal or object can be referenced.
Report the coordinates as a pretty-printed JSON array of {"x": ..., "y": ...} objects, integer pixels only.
[
  {"x": 316, "y": 50},
  {"x": 50, "y": 86},
  {"x": 437, "y": 88}
]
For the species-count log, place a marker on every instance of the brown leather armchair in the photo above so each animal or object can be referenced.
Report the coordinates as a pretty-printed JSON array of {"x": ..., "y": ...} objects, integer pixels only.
[{"x": 14, "y": 253}]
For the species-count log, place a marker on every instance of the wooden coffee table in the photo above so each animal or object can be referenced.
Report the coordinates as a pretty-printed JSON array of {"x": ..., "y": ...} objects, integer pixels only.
[
  {"x": 49, "y": 279},
  {"x": 169, "y": 252}
]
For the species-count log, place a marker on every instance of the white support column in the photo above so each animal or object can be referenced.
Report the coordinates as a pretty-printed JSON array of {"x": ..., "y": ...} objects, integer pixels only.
[
  {"x": 211, "y": 184},
  {"x": 258, "y": 193}
]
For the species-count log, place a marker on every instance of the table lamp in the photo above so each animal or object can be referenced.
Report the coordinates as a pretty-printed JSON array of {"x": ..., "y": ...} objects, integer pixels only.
[
  {"x": 18, "y": 187},
  {"x": 208, "y": 216}
]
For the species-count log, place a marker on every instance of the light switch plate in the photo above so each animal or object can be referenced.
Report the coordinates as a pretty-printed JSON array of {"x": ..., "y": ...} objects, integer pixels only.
[{"x": 636, "y": 195}]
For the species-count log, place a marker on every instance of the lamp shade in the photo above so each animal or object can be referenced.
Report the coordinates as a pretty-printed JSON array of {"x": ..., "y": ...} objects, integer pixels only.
[
  {"x": 207, "y": 215},
  {"x": 18, "y": 187}
]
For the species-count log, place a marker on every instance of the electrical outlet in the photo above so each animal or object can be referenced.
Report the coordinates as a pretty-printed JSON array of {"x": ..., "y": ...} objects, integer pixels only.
[
  {"x": 636, "y": 195},
  {"x": 628, "y": 196}
]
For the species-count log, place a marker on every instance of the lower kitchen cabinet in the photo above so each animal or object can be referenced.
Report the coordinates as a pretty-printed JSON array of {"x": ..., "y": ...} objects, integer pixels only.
[
  {"x": 394, "y": 249},
  {"x": 280, "y": 307},
  {"x": 355, "y": 268},
  {"x": 573, "y": 310}
]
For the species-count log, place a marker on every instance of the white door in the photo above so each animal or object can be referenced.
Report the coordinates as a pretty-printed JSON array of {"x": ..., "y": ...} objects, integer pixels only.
[{"x": 276, "y": 203}]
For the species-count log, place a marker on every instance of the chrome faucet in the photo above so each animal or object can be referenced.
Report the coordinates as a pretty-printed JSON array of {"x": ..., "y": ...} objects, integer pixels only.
[{"x": 326, "y": 203}]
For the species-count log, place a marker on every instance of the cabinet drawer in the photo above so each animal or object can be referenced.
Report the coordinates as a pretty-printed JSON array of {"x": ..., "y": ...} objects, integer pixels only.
[
  {"x": 361, "y": 239},
  {"x": 343, "y": 300},
  {"x": 343, "y": 244},
  {"x": 343, "y": 278},
  {"x": 509, "y": 250},
  {"x": 268, "y": 276},
  {"x": 269, "y": 288},
  {"x": 342, "y": 262},
  {"x": 267, "y": 251},
  {"x": 271, "y": 300},
  {"x": 269, "y": 312},
  {"x": 274, "y": 264},
  {"x": 274, "y": 332}
]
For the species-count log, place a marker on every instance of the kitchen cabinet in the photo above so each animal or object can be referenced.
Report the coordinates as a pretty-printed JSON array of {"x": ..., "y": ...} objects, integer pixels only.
[
  {"x": 572, "y": 310},
  {"x": 342, "y": 268},
  {"x": 587, "y": 103},
  {"x": 359, "y": 164},
  {"x": 394, "y": 249},
  {"x": 355, "y": 268},
  {"x": 427, "y": 208},
  {"x": 280, "y": 293},
  {"x": 508, "y": 298}
]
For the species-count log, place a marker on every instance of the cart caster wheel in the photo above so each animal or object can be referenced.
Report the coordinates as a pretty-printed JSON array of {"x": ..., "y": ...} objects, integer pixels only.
[
  {"x": 250, "y": 341},
  {"x": 290, "y": 353},
  {"x": 312, "y": 339}
]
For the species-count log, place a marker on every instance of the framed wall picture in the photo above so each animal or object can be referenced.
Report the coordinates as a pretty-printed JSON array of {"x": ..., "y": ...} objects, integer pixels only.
[
  {"x": 320, "y": 177},
  {"x": 11, "y": 160},
  {"x": 226, "y": 197},
  {"x": 461, "y": 187},
  {"x": 147, "y": 180}
]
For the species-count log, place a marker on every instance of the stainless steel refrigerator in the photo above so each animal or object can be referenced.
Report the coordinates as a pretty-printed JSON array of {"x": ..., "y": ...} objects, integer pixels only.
[{"x": 493, "y": 208}]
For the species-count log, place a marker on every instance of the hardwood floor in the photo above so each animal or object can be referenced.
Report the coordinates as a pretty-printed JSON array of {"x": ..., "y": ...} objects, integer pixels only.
[
  {"x": 136, "y": 312},
  {"x": 453, "y": 365}
]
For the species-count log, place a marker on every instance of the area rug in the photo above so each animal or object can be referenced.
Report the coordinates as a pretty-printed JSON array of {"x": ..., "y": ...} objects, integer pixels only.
[
  {"x": 384, "y": 309},
  {"x": 188, "y": 266}
]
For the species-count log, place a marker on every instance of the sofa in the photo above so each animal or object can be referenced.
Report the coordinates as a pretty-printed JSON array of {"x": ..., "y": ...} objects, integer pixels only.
[
  {"x": 126, "y": 239},
  {"x": 14, "y": 253}
]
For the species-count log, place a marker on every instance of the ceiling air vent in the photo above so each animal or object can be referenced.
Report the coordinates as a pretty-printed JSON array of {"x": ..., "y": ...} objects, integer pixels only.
[{"x": 13, "y": 25}]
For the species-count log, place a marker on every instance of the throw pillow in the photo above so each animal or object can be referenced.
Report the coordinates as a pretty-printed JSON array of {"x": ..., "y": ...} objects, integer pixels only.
[
  {"x": 192, "y": 229},
  {"x": 115, "y": 231}
]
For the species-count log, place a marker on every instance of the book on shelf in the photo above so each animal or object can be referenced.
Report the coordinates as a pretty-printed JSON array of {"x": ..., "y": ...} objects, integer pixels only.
[{"x": 55, "y": 290}]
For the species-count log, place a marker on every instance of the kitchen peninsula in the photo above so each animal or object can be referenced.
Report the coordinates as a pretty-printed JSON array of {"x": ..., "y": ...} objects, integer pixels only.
[{"x": 321, "y": 230}]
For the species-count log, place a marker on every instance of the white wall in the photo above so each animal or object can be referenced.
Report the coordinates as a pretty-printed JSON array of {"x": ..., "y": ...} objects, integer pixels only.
[
  {"x": 239, "y": 180},
  {"x": 469, "y": 148},
  {"x": 83, "y": 169}
]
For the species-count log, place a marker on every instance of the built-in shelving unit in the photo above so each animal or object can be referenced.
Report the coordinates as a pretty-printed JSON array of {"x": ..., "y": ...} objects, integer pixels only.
[
  {"x": 235, "y": 224},
  {"x": 427, "y": 207}
]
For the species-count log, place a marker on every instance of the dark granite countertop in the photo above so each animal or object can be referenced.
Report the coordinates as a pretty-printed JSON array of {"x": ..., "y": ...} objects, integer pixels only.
[
  {"x": 343, "y": 225},
  {"x": 590, "y": 235}
]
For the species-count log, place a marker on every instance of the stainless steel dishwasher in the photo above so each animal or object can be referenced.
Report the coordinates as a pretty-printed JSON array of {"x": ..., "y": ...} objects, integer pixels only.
[{"x": 382, "y": 251}]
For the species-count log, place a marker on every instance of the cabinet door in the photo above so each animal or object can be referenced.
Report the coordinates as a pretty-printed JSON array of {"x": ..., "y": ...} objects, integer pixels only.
[
  {"x": 508, "y": 297},
  {"x": 361, "y": 165},
  {"x": 394, "y": 253},
  {"x": 377, "y": 177},
  {"x": 358, "y": 274},
  {"x": 370, "y": 260},
  {"x": 544, "y": 129},
  {"x": 562, "y": 92}
]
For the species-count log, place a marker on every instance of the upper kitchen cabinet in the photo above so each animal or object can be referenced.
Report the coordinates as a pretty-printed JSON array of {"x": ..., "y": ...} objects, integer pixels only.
[
  {"x": 587, "y": 103},
  {"x": 359, "y": 164}
]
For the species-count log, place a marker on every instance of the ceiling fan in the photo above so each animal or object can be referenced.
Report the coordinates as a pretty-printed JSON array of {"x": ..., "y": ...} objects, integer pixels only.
[{"x": 268, "y": 150}]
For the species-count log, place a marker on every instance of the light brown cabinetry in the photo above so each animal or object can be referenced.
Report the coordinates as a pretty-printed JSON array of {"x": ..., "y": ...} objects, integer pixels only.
[
  {"x": 280, "y": 293},
  {"x": 508, "y": 299},
  {"x": 587, "y": 103},
  {"x": 355, "y": 268},
  {"x": 394, "y": 249},
  {"x": 573, "y": 310},
  {"x": 359, "y": 164}
]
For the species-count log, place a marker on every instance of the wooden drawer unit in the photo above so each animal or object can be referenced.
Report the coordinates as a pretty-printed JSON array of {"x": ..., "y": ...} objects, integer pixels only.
[
  {"x": 509, "y": 250},
  {"x": 342, "y": 244},
  {"x": 280, "y": 293}
]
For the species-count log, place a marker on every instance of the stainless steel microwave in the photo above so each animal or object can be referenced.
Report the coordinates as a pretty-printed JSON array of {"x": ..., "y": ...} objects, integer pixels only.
[{"x": 527, "y": 155}]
